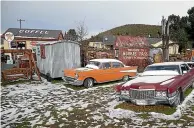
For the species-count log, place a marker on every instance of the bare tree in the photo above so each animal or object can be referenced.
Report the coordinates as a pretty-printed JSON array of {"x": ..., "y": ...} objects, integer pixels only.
[{"x": 82, "y": 30}]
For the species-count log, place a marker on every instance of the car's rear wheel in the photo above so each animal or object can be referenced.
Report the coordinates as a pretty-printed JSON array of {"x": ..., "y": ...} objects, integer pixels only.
[
  {"x": 89, "y": 82},
  {"x": 125, "y": 78}
]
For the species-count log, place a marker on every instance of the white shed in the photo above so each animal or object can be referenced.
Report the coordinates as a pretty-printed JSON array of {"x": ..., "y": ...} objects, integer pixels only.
[{"x": 53, "y": 57}]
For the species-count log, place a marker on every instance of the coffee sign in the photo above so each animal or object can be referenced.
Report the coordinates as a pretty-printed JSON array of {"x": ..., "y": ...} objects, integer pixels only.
[{"x": 33, "y": 31}]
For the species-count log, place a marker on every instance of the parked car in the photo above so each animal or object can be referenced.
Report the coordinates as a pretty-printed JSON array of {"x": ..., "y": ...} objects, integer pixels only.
[
  {"x": 99, "y": 71},
  {"x": 160, "y": 83}
]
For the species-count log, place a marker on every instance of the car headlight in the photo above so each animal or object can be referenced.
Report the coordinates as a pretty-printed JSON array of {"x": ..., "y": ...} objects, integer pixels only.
[
  {"x": 76, "y": 76},
  {"x": 125, "y": 92},
  {"x": 160, "y": 94}
]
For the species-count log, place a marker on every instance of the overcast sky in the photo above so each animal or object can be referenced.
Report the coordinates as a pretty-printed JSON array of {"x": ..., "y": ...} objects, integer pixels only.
[{"x": 99, "y": 16}]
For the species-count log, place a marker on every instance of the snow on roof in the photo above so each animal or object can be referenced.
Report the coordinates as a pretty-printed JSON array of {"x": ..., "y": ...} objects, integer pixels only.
[
  {"x": 55, "y": 42},
  {"x": 106, "y": 60},
  {"x": 168, "y": 63}
]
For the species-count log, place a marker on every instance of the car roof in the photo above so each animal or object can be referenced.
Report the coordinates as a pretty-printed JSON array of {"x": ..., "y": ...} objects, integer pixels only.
[
  {"x": 190, "y": 62},
  {"x": 106, "y": 60},
  {"x": 168, "y": 63}
]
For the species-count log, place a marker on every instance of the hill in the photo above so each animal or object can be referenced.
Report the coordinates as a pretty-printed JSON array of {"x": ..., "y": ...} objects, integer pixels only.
[{"x": 132, "y": 30}]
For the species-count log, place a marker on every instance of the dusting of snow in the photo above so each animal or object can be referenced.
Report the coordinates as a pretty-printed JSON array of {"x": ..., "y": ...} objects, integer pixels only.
[
  {"x": 92, "y": 66},
  {"x": 129, "y": 71},
  {"x": 160, "y": 73},
  {"x": 106, "y": 60},
  {"x": 38, "y": 101},
  {"x": 176, "y": 115},
  {"x": 148, "y": 79}
]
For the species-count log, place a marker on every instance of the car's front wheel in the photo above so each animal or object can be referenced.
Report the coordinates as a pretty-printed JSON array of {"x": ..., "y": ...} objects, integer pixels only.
[
  {"x": 192, "y": 85},
  {"x": 178, "y": 99},
  {"x": 89, "y": 82}
]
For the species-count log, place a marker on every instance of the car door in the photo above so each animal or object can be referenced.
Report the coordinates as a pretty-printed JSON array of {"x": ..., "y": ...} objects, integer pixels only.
[
  {"x": 106, "y": 73},
  {"x": 116, "y": 68},
  {"x": 186, "y": 76}
]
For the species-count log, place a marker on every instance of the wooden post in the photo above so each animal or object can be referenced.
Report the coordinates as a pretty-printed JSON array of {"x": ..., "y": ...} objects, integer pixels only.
[{"x": 30, "y": 63}]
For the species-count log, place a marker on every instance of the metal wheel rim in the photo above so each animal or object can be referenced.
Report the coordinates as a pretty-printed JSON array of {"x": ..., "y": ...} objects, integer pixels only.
[
  {"x": 90, "y": 83},
  {"x": 125, "y": 78},
  {"x": 178, "y": 99}
]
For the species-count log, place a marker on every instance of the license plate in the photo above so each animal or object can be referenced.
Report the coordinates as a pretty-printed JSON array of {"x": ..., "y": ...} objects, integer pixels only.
[
  {"x": 124, "y": 92},
  {"x": 141, "y": 102}
]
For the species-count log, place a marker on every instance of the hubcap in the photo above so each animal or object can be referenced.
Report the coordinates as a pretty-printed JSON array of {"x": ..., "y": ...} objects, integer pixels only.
[
  {"x": 178, "y": 99},
  {"x": 125, "y": 78},
  {"x": 90, "y": 83}
]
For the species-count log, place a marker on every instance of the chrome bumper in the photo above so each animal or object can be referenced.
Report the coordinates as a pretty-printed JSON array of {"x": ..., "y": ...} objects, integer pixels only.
[
  {"x": 153, "y": 101},
  {"x": 73, "y": 81}
]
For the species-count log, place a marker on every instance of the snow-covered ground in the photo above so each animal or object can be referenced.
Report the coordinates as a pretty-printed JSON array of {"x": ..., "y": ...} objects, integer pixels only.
[{"x": 45, "y": 104}]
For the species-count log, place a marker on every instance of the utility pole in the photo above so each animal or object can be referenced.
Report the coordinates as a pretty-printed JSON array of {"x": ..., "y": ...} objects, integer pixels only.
[
  {"x": 20, "y": 20},
  {"x": 165, "y": 38}
]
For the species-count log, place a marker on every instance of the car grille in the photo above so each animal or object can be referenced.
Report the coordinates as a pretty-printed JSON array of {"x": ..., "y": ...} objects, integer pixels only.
[
  {"x": 69, "y": 79},
  {"x": 142, "y": 94}
]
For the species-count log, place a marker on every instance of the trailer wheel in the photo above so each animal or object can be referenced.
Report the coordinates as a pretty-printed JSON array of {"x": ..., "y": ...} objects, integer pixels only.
[{"x": 48, "y": 77}]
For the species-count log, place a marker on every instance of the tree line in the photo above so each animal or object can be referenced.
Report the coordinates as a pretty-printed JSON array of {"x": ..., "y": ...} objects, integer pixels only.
[{"x": 182, "y": 30}]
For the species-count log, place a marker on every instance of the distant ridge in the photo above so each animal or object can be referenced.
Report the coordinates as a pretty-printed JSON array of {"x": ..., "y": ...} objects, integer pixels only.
[{"x": 143, "y": 30}]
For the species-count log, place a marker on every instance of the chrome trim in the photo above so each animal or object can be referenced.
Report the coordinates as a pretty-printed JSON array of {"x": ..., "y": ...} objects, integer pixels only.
[
  {"x": 142, "y": 89},
  {"x": 142, "y": 94}
]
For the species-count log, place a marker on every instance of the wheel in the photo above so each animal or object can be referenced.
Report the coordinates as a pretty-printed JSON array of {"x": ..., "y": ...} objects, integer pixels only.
[
  {"x": 125, "y": 78},
  {"x": 48, "y": 77},
  {"x": 89, "y": 82},
  {"x": 178, "y": 99},
  {"x": 192, "y": 85}
]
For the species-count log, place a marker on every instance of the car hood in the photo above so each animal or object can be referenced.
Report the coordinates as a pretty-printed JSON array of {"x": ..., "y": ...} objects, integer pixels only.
[{"x": 149, "y": 81}]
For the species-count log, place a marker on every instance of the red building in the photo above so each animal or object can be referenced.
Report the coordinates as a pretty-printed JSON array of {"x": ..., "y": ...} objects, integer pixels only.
[{"x": 133, "y": 51}]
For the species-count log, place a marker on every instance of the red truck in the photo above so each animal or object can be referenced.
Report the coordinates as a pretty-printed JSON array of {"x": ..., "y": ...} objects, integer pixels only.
[{"x": 160, "y": 83}]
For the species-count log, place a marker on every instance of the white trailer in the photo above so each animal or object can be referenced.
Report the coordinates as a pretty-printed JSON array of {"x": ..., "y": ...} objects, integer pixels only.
[{"x": 53, "y": 57}]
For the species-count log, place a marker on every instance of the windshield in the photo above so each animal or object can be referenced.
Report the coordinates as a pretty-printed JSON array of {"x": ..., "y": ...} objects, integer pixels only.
[{"x": 163, "y": 68}]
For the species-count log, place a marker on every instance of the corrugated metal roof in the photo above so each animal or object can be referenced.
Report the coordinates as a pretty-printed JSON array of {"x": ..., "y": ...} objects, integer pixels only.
[
  {"x": 34, "y": 33},
  {"x": 55, "y": 42}
]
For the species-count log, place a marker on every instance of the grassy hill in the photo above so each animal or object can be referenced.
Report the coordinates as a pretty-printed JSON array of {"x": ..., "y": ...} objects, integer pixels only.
[{"x": 130, "y": 29}]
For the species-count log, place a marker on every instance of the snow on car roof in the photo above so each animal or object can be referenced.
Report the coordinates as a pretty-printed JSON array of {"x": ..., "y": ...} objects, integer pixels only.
[
  {"x": 168, "y": 63},
  {"x": 189, "y": 62},
  {"x": 106, "y": 60}
]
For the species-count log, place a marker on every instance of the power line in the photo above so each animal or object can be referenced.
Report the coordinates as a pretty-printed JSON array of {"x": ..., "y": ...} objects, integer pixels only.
[{"x": 20, "y": 20}]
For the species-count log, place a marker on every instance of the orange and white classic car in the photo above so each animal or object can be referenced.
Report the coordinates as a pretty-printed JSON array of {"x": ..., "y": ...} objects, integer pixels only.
[{"x": 99, "y": 71}]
